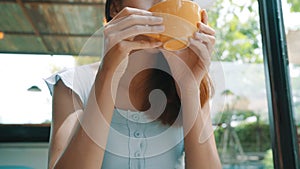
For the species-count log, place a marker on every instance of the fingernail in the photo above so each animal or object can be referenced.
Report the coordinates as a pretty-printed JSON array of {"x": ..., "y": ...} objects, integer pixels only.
[
  {"x": 148, "y": 13},
  {"x": 159, "y": 19},
  {"x": 160, "y": 28},
  {"x": 195, "y": 34}
]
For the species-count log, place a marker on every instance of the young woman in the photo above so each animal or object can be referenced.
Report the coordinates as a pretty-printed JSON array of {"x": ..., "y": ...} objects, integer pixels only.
[{"x": 142, "y": 107}]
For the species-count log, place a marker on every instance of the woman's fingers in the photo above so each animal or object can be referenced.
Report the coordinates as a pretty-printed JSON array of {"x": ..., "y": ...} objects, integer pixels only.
[
  {"x": 140, "y": 29},
  {"x": 203, "y": 25},
  {"x": 202, "y": 52},
  {"x": 202, "y": 44},
  {"x": 207, "y": 40},
  {"x": 204, "y": 16},
  {"x": 129, "y": 11},
  {"x": 134, "y": 19},
  {"x": 205, "y": 29},
  {"x": 128, "y": 46},
  {"x": 205, "y": 37},
  {"x": 131, "y": 22},
  {"x": 121, "y": 35},
  {"x": 132, "y": 31},
  {"x": 199, "y": 48}
]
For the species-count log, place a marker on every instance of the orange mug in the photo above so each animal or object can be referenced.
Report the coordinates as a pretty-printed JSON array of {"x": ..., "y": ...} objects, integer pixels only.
[{"x": 180, "y": 19}]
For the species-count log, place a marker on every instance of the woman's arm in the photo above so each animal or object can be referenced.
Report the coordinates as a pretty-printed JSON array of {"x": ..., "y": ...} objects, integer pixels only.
[
  {"x": 64, "y": 120},
  {"x": 200, "y": 155},
  {"x": 189, "y": 67},
  {"x": 70, "y": 144},
  {"x": 78, "y": 139}
]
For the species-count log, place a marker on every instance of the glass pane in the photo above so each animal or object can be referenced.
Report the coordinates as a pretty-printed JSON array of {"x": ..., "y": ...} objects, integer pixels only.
[
  {"x": 24, "y": 95},
  {"x": 242, "y": 125},
  {"x": 25, "y": 98},
  {"x": 291, "y": 11}
]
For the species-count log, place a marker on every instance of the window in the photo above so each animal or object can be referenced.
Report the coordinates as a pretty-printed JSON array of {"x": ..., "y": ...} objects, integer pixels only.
[
  {"x": 56, "y": 32},
  {"x": 249, "y": 55},
  {"x": 291, "y": 12},
  {"x": 242, "y": 126},
  {"x": 24, "y": 95},
  {"x": 25, "y": 113},
  {"x": 283, "y": 133}
]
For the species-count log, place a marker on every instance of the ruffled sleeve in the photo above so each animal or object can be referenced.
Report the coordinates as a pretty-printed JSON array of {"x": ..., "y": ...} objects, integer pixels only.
[{"x": 79, "y": 80}]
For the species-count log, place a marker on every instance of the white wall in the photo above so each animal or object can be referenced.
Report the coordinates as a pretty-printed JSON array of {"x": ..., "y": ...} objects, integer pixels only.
[{"x": 25, "y": 154}]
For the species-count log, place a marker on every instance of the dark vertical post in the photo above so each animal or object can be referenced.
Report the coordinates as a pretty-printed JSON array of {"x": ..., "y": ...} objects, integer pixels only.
[{"x": 283, "y": 133}]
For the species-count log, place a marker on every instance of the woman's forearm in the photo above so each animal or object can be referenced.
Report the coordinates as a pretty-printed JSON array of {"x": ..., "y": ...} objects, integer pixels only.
[
  {"x": 201, "y": 155},
  {"x": 200, "y": 146},
  {"x": 87, "y": 146}
]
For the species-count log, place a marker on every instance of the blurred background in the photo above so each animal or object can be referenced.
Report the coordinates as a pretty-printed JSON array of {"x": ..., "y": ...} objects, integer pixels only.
[{"x": 41, "y": 37}]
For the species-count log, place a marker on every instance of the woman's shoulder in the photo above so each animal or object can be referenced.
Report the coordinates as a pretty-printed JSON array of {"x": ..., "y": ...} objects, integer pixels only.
[{"x": 79, "y": 79}]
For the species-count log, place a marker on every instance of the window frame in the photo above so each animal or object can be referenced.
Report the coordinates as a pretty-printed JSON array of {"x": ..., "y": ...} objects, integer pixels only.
[
  {"x": 280, "y": 105},
  {"x": 12, "y": 133}
]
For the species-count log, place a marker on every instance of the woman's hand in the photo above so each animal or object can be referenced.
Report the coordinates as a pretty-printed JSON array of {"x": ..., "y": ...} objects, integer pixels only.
[
  {"x": 121, "y": 32},
  {"x": 189, "y": 66}
]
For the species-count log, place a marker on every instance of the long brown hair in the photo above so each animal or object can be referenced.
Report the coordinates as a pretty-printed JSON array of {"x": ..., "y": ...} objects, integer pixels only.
[{"x": 148, "y": 80}]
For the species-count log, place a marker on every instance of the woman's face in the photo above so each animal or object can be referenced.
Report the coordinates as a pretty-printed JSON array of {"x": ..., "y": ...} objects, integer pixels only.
[{"x": 140, "y": 4}]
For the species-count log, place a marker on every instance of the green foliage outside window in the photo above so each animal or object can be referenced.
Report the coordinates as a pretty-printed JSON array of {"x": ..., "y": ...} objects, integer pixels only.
[
  {"x": 268, "y": 160},
  {"x": 237, "y": 31},
  {"x": 253, "y": 136},
  {"x": 295, "y": 5}
]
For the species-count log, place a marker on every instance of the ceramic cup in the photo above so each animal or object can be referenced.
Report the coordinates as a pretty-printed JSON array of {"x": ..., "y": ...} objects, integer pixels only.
[{"x": 180, "y": 18}]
